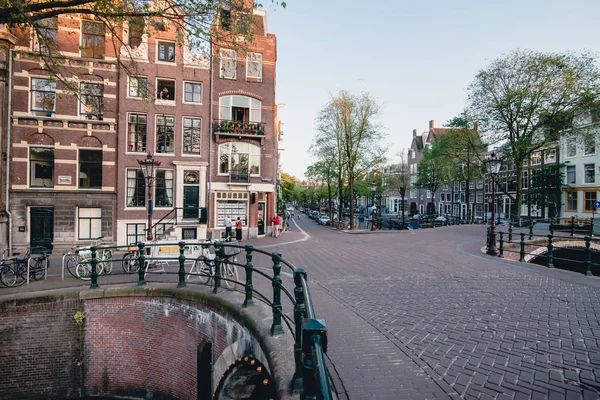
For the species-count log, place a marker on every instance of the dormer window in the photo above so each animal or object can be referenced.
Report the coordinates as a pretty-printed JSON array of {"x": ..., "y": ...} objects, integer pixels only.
[{"x": 225, "y": 19}]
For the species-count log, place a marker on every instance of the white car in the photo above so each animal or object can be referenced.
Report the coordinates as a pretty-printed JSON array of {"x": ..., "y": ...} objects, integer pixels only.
[
  {"x": 323, "y": 220},
  {"x": 441, "y": 218},
  {"x": 290, "y": 208}
]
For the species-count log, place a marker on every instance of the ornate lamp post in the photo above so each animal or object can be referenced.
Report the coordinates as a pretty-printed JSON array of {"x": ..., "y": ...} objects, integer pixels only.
[
  {"x": 373, "y": 207},
  {"x": 148, "y": 166},
  {"x": 492, "y": 165}
]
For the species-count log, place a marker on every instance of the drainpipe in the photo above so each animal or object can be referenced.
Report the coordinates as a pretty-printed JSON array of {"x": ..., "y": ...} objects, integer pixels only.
[
  {"x": 210, "y": 140},
  {"x": 8, "y": 142}
]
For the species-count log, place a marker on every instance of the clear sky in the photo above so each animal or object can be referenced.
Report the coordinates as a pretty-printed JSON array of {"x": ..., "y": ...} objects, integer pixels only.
[{"x": 415, "y": 57}]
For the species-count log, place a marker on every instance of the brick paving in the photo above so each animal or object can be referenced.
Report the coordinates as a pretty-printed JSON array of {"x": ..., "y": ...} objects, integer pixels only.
[{"x": 424, "y": 315}]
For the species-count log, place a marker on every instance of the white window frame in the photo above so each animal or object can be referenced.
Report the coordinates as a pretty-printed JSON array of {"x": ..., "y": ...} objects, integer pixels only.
[
  {"x": 550, "y": 156},
  {"x": 525, "y": 179},
  {"x": 96, "y": 117},
  {"x": 136, "y": 78},
  {"x": 94, "y": 232},
  {"x": 31, "y": 110},
  {"x": 144, "y": 191},
  {"x": 585, "y": 146},
  {"x": 571, "y": 142},
  {"x": 479, "y": 197},
  {"x": 536, "y": 155},
  {"x": 227, "y": 55},
  {"x": 585, "y": 175},
  {"x": 257, "y": 60},
  {"x": 170, "y": 174},
  {"x": 159, "y": 61},
  {"x": 250, "y": 154},
  {"x": 193, "y": 84},
  {"x": 574, "y": 169},
  {"x": 183, "y": 152},
  {"x": 165, "y": 116},
  {"x": 81, "y": 48},
  {"x": 164, "y": 102},
  {"x": 254, "y": 106}
]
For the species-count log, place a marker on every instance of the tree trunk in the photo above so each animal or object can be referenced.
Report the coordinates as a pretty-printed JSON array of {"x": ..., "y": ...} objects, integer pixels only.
[
  {"x": 519, "y": 199},
  {"x": 467, "y": 198},
  {"x": 351, "y": 190}
]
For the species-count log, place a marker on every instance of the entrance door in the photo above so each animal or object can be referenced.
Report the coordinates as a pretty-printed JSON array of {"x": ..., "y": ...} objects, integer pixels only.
[
  {"x": 191, "y": 195},
  {"x": 41, "y": 227},
  {"x": 261, "y": 217}
]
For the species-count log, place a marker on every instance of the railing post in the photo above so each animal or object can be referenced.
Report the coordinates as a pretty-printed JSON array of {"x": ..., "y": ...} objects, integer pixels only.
[
  {"x": 550, "y": 256},
  {"x": 530, "y": 229},
  {"x": 218, "y": 261},
  {"x": 510, "y": 225},
  {"x": 592, "y": 227},
  {"x": 142, "y": 263},
  {"x": 588, "y": 256},
  {"x": 551, "y": 226},
  {"x": 94, "y": 261},
  {"x": 181, "y": 272},
  {"x": 310, "y": 328},
  {"x": 572, "y": 225},
  {"x": 522, "y": 252},
  {"x": 276, "y": 328},
  {"x": 299, "y": 315},
  {"x": 248, "y": 267},
  {"x": 501, "y": 249}
]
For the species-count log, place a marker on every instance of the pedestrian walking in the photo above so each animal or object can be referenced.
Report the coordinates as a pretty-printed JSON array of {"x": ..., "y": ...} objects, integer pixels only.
[
  {"x": 238, "y": 230},
  {"x": 276, "y": 220},
  {"x": 228, "y": 225}
]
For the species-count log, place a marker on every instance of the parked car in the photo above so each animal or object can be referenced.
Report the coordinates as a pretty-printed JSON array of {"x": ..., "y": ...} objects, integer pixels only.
[
  {"x": 323, "y": 219},
  {"x": 314, "y": 215},
  {"x": 441, "y": 218}
]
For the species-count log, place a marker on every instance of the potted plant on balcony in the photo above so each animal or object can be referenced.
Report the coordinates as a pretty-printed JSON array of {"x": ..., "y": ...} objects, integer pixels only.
[
  {"x": 223, "y": 126},
  {"x": 252, "y": 129},
  {"x": 238, "y": 127}
]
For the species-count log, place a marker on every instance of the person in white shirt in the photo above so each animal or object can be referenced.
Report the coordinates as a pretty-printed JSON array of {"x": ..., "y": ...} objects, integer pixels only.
[{"x": 228, "y": 225}]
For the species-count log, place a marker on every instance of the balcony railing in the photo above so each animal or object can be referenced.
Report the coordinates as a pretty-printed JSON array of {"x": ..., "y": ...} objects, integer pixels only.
[
  {"x": 239, "y": 128},
  {"x": 239, "y": 176}
]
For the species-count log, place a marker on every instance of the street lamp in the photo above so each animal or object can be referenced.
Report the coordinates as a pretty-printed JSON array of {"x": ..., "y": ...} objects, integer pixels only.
[
  {"x": 373, "y": 207},
  {"x": 148, "y": 165},
  {"x": 492, "y": 165}
]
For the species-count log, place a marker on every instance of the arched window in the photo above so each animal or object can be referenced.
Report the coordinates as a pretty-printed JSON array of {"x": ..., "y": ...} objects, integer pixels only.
[
  {"x": 240, "y": 108},
  {"x": 239, "y": 157}
]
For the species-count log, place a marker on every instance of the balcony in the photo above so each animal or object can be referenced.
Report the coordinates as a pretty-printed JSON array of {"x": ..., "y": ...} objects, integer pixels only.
[
  {"x": 239, "y": 176},
  {"x": 253, "y": 130}
]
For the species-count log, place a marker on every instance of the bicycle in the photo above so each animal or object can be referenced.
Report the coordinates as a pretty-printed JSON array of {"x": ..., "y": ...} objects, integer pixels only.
[
  {"x": 131, "y": 264},
  {"x": 80, "y": 262},
  {"x": 206, "y": 267},
  {"x": 13, "y": 272}
]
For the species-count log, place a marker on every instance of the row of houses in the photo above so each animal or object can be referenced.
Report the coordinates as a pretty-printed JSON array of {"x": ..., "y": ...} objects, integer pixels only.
[
  {"x": 70, "y": 168},
  {"x": 570, "y": 165}
]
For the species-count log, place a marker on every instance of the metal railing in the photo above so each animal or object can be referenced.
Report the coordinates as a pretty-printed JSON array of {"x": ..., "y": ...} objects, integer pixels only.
[
  {"x": 178, "y": 215},
  {"x": 311, "y": 377},
  {"x": 239, "y": 175}
]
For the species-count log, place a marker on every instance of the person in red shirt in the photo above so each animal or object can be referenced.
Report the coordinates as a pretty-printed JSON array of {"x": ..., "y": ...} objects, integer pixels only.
[
  {"x": 238, "y": 229},
  {"x": 276, "y": 220}
]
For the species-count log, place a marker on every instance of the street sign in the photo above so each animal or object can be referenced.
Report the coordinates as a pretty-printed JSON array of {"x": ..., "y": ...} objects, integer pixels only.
[{"x": 597, "y": 204}]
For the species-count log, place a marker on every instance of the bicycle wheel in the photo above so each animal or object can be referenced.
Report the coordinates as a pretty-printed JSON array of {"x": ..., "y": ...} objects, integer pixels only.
[
  {"x": 130, "y": 263},
  {"x": 204, "y": 271},
  {"x": 230, "y": 275},
  {"x": 72, "y": 265},
  {"x": 84, "y": 271},
  {"x": 107, "y": 265},
  {"x": 36, "y": 271},
  {"x": 11, "y": 275}
]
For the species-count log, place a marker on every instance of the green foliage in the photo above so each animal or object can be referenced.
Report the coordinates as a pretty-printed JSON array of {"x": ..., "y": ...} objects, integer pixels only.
[
  {"x": 289, "y": 185},
  {"x": 79, "y": 317},
  {"x": 545, "y": 190}
]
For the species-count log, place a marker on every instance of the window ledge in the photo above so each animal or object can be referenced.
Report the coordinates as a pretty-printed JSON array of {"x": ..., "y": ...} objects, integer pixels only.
[{"x": 170, "y": 103}]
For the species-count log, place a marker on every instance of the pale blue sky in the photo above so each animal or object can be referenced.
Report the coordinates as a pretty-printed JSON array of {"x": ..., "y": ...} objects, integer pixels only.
[{"x": 416, "y": 58}]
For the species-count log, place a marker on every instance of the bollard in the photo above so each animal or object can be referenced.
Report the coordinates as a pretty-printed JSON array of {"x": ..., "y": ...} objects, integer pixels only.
[
  {"x": 142, "y": 263},
  {"x": 94, "y": 261},
  {"x": 218, "y": 260},
  {"x": 588, "y": 256},
  {"x": 572, "y": 226},
  {"x": 522, "y": 253},
  {"x": 181, "y": 272},
  {"x": 299, "y": 315},
  {"x": 276, "y": 328},
  {"x": 501, "y": 249},
  {"x": 550, "y": 257},
  {"x": 510, "y": 226},
  {"x": 248, "y": 267},
  {"x": 530, "y": 229}
]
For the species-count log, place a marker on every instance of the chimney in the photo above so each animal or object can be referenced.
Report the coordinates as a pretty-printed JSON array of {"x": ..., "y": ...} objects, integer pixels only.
[
  {"x": 431, "y": 125},
  {"x": 414, "y": 133}
]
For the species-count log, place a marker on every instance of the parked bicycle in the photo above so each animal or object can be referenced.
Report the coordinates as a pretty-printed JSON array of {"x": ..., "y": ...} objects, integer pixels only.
[
  {"x": 205, "y": 268},
  {"x": 79, "y": 262},
  {"x": 13, "y": 272},
  {"x": 131, "y": 262}
]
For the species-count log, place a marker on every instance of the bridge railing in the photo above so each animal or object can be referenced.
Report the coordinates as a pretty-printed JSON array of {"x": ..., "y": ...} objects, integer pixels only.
[
  {"x": 529, "y": 246},
  {"x": 311, "y": 377}
]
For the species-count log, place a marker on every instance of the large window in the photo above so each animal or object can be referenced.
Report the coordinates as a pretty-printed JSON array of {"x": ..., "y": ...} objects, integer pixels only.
[
  {"x": 91, "y": 100},
  {"x": 137, "y": 127},
  {"x": 47, "y": 35},
  {"x": 536, "y": 158},
  {"x": 571, "y": 203},
  {"x": 550, "y": 156},
  {"x": 234, "y": 205},
  {"x": 136, "y": 188},
  {"x": 166, "y": 51},
  {"x": 136, "y": 233},
  {"x": 589, "y": 146},
  {"x": 240, "y": 108},
  {"x": 192, "y": 135},
  {"x": 589, "y": 175},
  {"x": 589, "y": 199},
  {"x": 228, "y": 65},
  {"x": 192, "y": 92},
  {"x": 138, "y": 86},
  {"x": 89, "y": 222},
  {"x": 92, "y": 39},
  {"x": 90, "y": 169},
  {"x": 525, "y": 179},
  {"x": 43, "y": 96},
  {"x": 41, "y": 167},
  {"x": 571, "y": 175},
  {"x": 254, "y": 66},
  {"x": 480, "y": 197},
  {"x": 164, "y": 188},
  {"x": 165, "y": 89},
  {"x": 237, "y": 157},
  {"x": 136, "y": 31},
  {"x": 571, "y": 147},
  {"x": 165, "y": 134}
]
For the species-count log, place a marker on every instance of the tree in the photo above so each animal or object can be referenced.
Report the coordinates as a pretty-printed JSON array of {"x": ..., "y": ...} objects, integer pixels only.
[
  {"x": 545, "y": 190},
  {"x": 324, "y": 172},
  {"x": 431, "y": 174},
  {"x": 288, "y": 186},
  {"x": 526, "y": 98},
  {"x": 347, "y": 128},
  {"x": 191, "y": 21},
  {"x": 399, "y": 179},
  {"x": 462, "y": 151}
]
